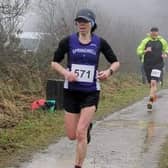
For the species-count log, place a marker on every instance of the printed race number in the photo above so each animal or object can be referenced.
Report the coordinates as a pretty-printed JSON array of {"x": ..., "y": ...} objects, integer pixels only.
[
  {"x": 156, "y": 73},
  {"x": 85, "y": 73}
]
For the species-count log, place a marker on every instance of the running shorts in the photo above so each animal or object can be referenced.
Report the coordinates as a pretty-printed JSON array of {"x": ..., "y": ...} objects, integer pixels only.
[
  {"x": 74, "y": 101},
  {"x": 153, "y": 73}
]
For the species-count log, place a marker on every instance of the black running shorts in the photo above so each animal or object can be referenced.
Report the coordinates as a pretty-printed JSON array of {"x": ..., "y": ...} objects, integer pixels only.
[
  {"x": 150, "y": 75},
  {"x": 74, "y": 101}
]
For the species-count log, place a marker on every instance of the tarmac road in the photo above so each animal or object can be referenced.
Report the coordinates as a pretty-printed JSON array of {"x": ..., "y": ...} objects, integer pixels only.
[{"x": 130, "y": 138}]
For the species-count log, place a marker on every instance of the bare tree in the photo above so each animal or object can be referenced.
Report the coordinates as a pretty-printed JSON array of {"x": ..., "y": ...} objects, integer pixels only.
[{"x": 11, "y": 12}]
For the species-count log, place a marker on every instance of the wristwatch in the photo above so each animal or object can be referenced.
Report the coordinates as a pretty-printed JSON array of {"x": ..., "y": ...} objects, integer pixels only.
[{"x": 111, "y": 71}]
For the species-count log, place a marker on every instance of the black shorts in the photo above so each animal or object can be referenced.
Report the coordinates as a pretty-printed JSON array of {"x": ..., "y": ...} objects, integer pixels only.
[
  {"x": 148, "y": 71},
  {"x": 74, "y": 101}
]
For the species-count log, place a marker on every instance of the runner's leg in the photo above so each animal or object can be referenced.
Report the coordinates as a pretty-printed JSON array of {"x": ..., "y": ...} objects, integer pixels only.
[
  {"x": 153, "y": 88},
  {"x": 71, "y": 122},
  {"x": 85, "y": 119}
]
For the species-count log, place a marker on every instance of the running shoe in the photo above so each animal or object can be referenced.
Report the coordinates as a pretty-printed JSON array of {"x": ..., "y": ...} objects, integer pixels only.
[
  {"x": 152, "y": 99},
  {"x": 88, "y": 133},
  {"x": 149, "y": 106}
]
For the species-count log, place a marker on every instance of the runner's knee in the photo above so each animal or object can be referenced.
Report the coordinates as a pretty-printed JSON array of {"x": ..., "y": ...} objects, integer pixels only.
[
  {"x": 71, "y": 136},
  {"x": 81, "y": 134},
  {"x": 153, "y": 83}
]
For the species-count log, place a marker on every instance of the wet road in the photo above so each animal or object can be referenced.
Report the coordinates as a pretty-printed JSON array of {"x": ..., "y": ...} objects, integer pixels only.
[{"x": 130, "y": 138}]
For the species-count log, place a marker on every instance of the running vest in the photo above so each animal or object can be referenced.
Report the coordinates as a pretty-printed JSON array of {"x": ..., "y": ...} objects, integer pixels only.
[
  {"x": 83, "y": 60},
  {"x": 154, "y": 57}
]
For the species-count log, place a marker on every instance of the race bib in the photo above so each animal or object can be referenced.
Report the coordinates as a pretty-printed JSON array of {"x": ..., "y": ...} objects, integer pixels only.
[
  {"x": 156, "y": 73},
  {"x": 85, "y": 73}
]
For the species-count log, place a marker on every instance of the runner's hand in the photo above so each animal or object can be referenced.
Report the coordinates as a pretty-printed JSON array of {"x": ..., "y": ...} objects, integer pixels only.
[
  {"x": 70, "y": 76},
  {"x": 103, "y": 75},
  {"x": 148, "y": 49}
]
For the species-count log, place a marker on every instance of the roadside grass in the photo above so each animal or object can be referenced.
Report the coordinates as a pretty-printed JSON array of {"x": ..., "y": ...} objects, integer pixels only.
[
  {"x": 33, "y": 133},
  {"x": 39, "y": 129}
]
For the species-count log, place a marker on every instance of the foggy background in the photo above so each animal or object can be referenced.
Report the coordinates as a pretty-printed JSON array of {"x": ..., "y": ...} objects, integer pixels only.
[
  {"x": 122, "y": 23},
  {"x": 24, "y": 73}
]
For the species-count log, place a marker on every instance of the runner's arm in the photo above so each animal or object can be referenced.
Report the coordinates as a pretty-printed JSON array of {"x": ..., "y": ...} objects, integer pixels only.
[
  {"x": 59, "y": 56},
  {"x": 141, "y": 48},
  {"x": 110, "y": 57},
  {"x": 165, "y": 46}
]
